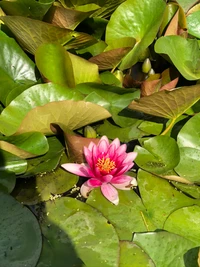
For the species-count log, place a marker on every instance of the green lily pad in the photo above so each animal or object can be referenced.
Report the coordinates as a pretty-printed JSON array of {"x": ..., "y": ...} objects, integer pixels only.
[
  {"x": 129, "y": 203},
  {"x": 189, "y": 165},
  {"x": 76, "y": 230},
  {"x": 22, "y": 145},
  {"x": 47, "y": 162},
  {"x": 185, "y": 222},
  {"x": 137, "y": 19},
  {"x": 158, "y": 154},
  {"x": 160, "y": 198},
  {"x": 184, "y": 53},
  {"x": 167, "y": 249},
  {"x": 32, "y": 33},
  {"x": 189, "y": 135},
  {"x": 189, "y": 189},
  {"x": 45, "y": 186},
  {"x": 37, "y": 95},
  {"x": 20, "y": 235},
  {"x": 133, "y": 255},
  {"x": 12, "y": 163},
  {"x": 26, "y": 8},
  {"x": 17, "y": 71},
  {"x": 193, "y": 24}
]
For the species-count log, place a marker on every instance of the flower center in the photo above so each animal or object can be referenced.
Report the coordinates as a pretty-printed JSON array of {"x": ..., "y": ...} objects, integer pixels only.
[{"x": 105, "y": 164}]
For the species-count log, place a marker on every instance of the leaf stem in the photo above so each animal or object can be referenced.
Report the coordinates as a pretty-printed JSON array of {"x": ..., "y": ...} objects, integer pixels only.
[
  {"x": 144, "y": 220},
  {"x": 169, "y": 126}
]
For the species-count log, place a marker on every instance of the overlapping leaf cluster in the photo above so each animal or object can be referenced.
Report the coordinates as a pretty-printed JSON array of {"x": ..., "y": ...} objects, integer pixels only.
[{"x": 130, "y": 69}]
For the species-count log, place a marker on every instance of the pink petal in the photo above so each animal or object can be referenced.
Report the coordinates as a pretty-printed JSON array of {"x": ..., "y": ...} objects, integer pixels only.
[
  {"x": 121, "y": 179},
  {"x": 130, "y": 157},
  {"x": 88, "y": 156},
  {"x": 110, "y": 193},
  {"x": 107, "y": 178},
  {"x": 124, "y": 169},
  {"x": 126, "y": 185},
  {"x": 91, "y": 145},
  {"x": 116, "y": 143},
  {"x": 121, "y": 149},
  {"x": 85, "y": 190},
  {"x": 93, "y": 182},
  {"x": 103, "y": 145},
  {"x": 78, "y": 169}
]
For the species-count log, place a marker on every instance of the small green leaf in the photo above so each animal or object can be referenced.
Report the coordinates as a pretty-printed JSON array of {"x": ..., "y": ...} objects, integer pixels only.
[
  {"x": 18, "y": 226},
  {"x": 184, "y": 53},
  {"x": 159, "y": 154},
  {"x": 7, "y": 181},
  {"x": 193, "y": 24}
]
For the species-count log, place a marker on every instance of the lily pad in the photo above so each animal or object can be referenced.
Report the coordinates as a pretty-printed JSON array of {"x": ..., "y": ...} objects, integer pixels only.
[
  {"x": 32, "y": 33},
  {"x": 93, "y": 240},
  {"x": 20, "y": 235},
  {"x": 137, "y": 219},
  {"x": 38, "y": 95},
  {"x": 22, "y": 145},
  {"x": 7, "y": 181},
  {"x": 133, "y": 255},
  {"x": 185, "y": 222},
  {"x": 168, "y": 249},
  {"x": 160, "y": 198},
  {"x": 17, "y": 71},
  {"x": 184, "y": 53},
  {"x": 158, "y": 154},
  {"x": 193, "y": 24},
  {"x": 137, "y": 19}
]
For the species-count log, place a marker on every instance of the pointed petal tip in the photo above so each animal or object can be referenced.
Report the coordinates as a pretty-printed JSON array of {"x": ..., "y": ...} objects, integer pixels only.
[{"x": 85, "y": 190}]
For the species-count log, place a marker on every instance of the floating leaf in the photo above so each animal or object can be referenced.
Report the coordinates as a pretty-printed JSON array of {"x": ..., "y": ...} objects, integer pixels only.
[
  {"x": 130, "y": 203},
  {"x": 160, "y": 198},
  {"x": 32, "y": 33},
  {"x": 167, "y": 249},
  {"x": 35, "y": 96},
  {"x": 45, "y": 186},
  {"x": 168, "y": 104},
  {"x": 12, "y": 163},
  {"x": 184, "y": 53},
  {"x": 17, "y": 227},
  {"x": 137, "y": 19},
  {"x": 92, "y": 240},
  {"x": 158, "y": 154},
  {"x": 131, "y": 254},
  {"x": 26, "y": 8},
  {"x": 17, "y": 71},
  {"x": 68, "y": 114},
  {"x": 22, "y": 145},
  {"x": 185, "y": 222}
]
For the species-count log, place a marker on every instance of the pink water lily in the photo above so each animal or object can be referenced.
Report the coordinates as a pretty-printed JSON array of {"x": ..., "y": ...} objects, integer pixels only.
[{"x": 106, "y": 167}]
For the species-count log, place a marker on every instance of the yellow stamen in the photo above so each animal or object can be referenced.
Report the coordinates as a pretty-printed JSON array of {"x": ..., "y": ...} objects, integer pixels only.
[{"x": 105, "y": 164}]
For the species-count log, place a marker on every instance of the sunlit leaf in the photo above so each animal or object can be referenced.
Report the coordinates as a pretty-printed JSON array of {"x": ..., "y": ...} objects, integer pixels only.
[
  {"x": 67, "y": 114},
  {"x": 35, "y": 96},
  {"x": 137, "y": 19},
  {"x": 32, "y": 33},
  {"x": 193, "y": 24},
  {"x": 17, "y": 71},
  {"x": 168, "y": 104},
  {"x": 185, "y": 222},
  {"x": 22, "y": 145},
  {"x": 184, "y": 53},
  {"x": 167, "y": 249}
]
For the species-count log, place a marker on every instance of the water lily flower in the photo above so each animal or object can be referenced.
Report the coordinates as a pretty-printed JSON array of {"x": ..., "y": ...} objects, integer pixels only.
[{"x": 106, "y": 168}]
